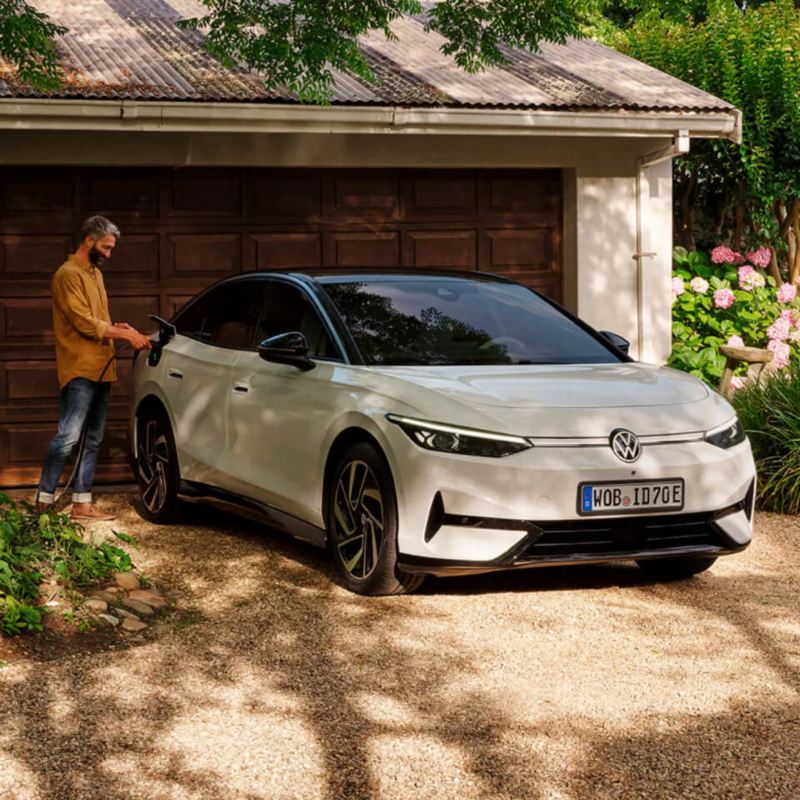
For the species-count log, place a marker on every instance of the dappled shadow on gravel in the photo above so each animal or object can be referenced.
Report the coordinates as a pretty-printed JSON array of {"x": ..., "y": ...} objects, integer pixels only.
[{"x": 274, "y": 682}]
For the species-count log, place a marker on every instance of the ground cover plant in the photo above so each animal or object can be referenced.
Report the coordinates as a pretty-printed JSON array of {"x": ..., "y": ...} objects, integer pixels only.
[
  {"x": 770, "y": 414},
  {"x": 47, "y": 548}
]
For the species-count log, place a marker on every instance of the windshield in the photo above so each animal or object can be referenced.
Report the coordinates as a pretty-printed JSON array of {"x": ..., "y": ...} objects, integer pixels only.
[{"x": 448, "y": 321}]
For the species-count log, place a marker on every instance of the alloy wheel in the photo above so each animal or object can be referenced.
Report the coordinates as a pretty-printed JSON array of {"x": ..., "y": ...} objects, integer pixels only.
[
  {"x": 358, "y": 519},
  {"x": 153, "y": 462}
]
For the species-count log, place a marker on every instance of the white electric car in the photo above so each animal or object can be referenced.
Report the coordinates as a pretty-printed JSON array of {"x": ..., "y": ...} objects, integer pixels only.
[{"x": 435, "y": 423}]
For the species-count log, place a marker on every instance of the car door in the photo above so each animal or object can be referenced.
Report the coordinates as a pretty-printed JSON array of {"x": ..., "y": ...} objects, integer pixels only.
[
  {"x": 211, "y": 332},
  {"x": 279, "y": 414}
]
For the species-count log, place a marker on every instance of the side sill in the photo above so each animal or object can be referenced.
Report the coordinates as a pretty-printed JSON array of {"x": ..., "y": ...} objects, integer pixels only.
[{"x": 194, "y": 492}]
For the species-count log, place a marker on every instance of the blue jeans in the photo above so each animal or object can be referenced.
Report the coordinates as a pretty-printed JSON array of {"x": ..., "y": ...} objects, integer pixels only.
[{"x": 82, "y": 401}]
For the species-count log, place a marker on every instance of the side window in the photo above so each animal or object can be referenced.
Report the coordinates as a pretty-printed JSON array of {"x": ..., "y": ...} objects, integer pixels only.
[
  {"x": 286, "y": 308},
  {"x": 225, "y": 317}
]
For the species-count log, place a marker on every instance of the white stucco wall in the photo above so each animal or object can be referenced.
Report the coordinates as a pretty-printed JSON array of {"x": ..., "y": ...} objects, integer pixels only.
[{"x": 600, "y": 278}]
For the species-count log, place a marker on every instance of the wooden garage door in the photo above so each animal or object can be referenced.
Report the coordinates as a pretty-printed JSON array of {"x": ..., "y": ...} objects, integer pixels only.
[{"x": 184, "y": 228}]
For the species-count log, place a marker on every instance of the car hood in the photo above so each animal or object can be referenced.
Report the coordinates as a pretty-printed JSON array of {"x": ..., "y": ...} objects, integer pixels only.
[
  {"x": 559, "y": 400},
  {"x": 559, "y": 386}
]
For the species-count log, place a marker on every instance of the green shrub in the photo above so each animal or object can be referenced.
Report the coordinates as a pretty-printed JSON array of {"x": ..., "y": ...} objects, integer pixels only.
[
  {"x": 36, "y": 547},
  {"x": 770, "y": 414},
  {"x": 722, "y": 299}
]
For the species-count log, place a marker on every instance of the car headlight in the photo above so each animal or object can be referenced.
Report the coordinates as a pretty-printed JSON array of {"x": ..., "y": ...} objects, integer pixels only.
[
  {"x": 462, "y": 441},
  {"x": 726, "y": 435}
]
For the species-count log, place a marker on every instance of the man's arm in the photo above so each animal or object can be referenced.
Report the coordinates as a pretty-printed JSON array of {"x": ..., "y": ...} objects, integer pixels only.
[{"x": 69, "y": 294}]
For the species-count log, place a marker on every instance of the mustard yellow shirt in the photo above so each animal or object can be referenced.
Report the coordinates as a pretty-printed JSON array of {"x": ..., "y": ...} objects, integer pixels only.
[{"x": 80, "y": 320}]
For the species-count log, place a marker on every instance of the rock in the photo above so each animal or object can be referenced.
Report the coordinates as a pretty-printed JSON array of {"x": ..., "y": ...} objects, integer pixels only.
[
  {"x": 133, "y": 624},
  {"x": 138, "y": 607},
  {"x": 125, "y": 614},
  {"x": 112, "y": 590},
  {"x": 127, "y": 581},
  {"x": 110, "y": 619},
  {"x": 102, "y": 594},
  {"x": 96, "y": 604},
  {"x": 47, "y": 591},
  {"x": 150, "y": 597}
]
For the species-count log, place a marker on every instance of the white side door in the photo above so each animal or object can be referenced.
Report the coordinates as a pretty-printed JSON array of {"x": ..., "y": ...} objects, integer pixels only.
[
  {"x": 212, "y": 332},
  {"x": 279, "y": 414}
]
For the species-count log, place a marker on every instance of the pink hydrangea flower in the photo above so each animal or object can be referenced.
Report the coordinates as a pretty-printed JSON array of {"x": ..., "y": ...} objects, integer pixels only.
[
  {"x": 723, "y": 254},
  {"x": 735, "y": 341},
  {"x": 738, "y": 258},
  {"x": 678, "y": 286},
  {"x": 699, "y": 285},
  {"x": 782, "y": 351},
  {"x": 760, "y": 257},
  {"x": 779, "y": 330},
  {"x": 787, "y": 313},
  {"x": 794, "y": 336},
  {"x": 749, "y": 279},
  {"x": 723, "y": 298},
  {"x": 787, "y": 293}
]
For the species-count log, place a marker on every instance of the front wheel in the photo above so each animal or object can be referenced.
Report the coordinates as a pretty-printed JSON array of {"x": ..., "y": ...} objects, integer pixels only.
[
  {"x": 676, "y": 567},
  {"x": 157, "y": 467},
  {"x": 362, "y": 524}
]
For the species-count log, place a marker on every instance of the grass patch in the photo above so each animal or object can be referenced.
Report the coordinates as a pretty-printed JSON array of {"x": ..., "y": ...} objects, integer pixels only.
[
  {"x": 47, "y": 547},
  {"x": 770, "y": 414}
]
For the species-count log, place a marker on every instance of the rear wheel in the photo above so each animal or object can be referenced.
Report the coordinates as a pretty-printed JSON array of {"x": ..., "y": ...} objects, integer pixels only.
[
  {"x": 362, "y": 524},
  {"x": 157, "y": 467},
  {"x": 677, "y": 567}
]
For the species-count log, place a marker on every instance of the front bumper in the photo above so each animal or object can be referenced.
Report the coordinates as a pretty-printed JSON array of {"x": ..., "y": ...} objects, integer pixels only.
[
  {"x": 587, "y": 541},
  {"x": 520, "y": 511}
]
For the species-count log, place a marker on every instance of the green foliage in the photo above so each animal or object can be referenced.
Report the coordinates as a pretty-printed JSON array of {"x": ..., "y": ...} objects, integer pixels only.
[
  {"x": 747, "y": 54},
  {"x": 46, "y": 546},
  {"x": 699, "y": 327},
  {"x": 770, "y": 414},
  {"x": 26, "y": 42},
  {"x": 299, "y": 44}
]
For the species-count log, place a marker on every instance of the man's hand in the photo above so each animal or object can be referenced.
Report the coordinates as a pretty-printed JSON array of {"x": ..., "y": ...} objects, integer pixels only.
[
  {"x": 121, "y": 330},
  {"x": 138, "y": 340}
]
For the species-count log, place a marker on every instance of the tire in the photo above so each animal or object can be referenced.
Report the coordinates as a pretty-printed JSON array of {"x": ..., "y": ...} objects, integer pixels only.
[
  {"x": 157, "y": 473},
  {"x": 362, "y": 524},
  {"x": 677, "y": 567}
]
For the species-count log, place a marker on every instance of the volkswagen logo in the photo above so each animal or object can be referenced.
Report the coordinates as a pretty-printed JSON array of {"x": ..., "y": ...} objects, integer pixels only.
[{"x": 625, "y": 445}]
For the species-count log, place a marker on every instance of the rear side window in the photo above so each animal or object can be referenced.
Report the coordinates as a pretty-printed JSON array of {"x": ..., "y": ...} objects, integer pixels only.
[{"x": 226, "y": 316}]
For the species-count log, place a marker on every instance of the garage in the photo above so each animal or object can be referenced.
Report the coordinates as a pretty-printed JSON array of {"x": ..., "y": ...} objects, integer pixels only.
[{"x": 183, "y": 228}]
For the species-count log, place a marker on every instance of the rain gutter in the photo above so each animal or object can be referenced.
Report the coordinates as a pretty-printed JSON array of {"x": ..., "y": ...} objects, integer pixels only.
[{"x": 187, "y": 116}]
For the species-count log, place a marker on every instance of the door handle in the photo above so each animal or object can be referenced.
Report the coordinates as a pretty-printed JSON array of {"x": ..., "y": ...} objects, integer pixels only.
[
  {"x": 241, "y": 388},
  {"x": 175, "y": 373}
]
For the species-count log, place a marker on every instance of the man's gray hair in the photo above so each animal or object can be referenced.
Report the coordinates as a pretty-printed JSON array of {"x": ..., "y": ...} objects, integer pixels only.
[{"x": 97, "y": 227}]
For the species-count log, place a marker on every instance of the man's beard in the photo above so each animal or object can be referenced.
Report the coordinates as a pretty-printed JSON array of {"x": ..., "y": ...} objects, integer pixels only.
[{"x": 96, "y": 257}]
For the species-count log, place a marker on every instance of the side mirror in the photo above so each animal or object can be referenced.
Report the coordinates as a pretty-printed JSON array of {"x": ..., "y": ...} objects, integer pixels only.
[
  {"x": 287, "y": 348},
  {"x": 620, "y": 342}
]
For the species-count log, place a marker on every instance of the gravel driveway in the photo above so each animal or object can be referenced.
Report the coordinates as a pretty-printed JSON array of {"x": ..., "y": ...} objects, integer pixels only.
[{"x": 272, "y": 681}]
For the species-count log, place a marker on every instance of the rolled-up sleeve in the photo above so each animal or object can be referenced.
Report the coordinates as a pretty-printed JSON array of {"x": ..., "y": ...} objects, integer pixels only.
[{"x": 69, "y": 295}]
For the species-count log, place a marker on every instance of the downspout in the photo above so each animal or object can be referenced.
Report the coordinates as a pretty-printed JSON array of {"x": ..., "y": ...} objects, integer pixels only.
[{"x": 679, "y": 146}]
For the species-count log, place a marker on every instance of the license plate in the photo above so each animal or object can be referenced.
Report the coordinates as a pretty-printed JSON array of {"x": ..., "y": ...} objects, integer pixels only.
[{"x": 630, "y": 496}]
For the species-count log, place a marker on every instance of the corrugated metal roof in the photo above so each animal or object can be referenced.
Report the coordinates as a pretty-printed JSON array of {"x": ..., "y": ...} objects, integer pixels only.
[{"x": 133, "y": 49}]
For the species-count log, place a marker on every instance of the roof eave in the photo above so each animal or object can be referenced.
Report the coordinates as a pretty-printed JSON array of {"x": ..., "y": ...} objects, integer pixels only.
[{"x": 207, "y": 117}]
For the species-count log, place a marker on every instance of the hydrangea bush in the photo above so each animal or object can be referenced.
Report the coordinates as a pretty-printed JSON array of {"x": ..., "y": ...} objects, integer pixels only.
[{"x": 726, "y": 298}]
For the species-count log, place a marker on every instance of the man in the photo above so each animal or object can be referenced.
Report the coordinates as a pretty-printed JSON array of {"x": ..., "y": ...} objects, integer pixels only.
[{"x": 85, "y": 359}]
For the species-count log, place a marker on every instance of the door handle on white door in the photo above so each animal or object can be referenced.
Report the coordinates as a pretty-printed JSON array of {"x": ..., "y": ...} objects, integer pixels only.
[{"x": 241, "y": 388}]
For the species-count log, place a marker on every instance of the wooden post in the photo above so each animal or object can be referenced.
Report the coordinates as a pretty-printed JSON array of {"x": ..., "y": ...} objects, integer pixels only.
[{"x": 738, "y": 355}]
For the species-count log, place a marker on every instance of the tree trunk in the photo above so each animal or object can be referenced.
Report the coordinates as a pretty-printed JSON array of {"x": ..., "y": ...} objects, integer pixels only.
[
  {"x": 794, "y": 263},
  {"x": 738, "y": 226},
  {"x": 774, "y": 268}
]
